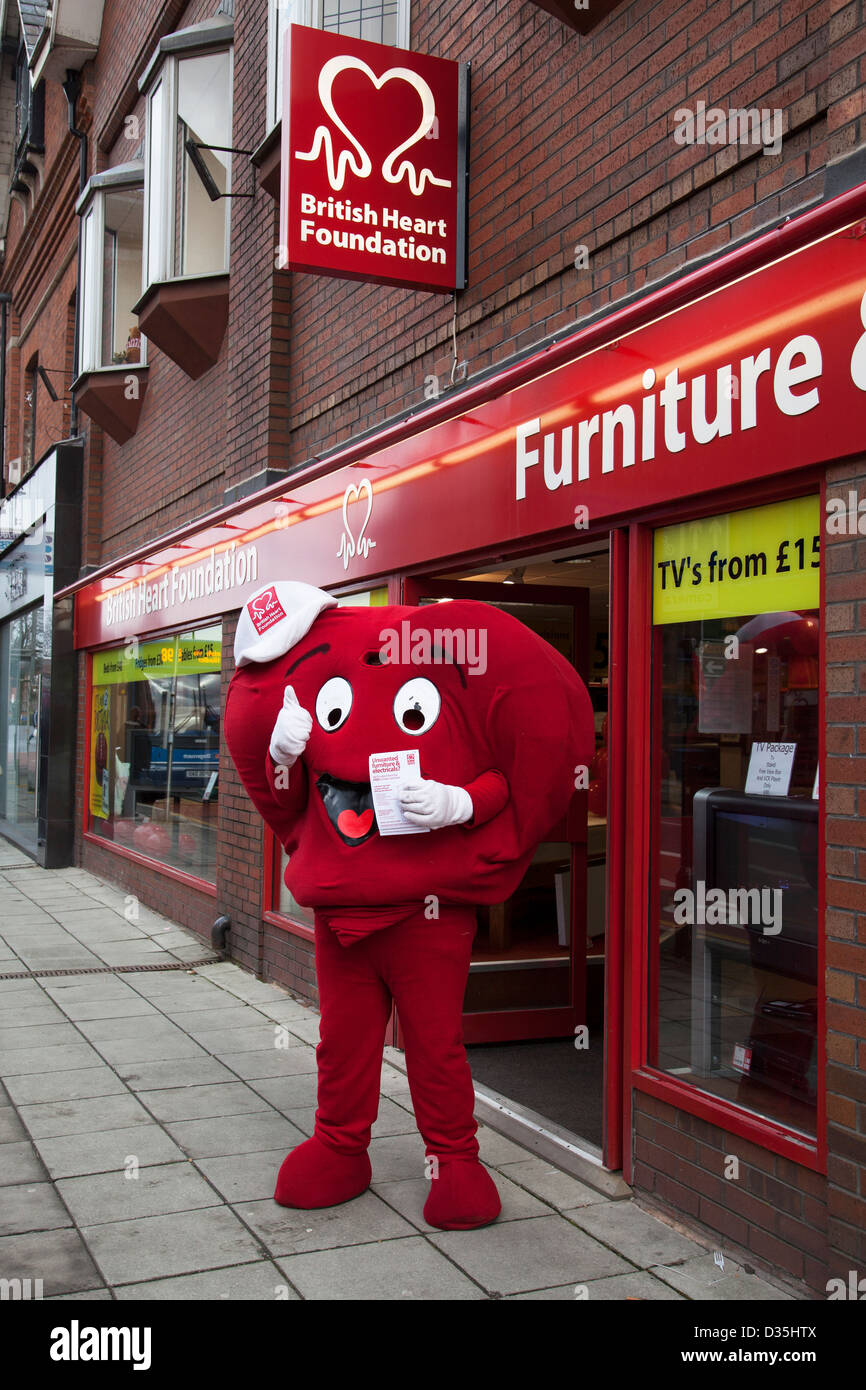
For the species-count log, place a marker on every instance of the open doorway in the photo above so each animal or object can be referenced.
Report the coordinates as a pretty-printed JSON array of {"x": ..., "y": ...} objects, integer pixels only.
[{"x": 534, "y": 1013}]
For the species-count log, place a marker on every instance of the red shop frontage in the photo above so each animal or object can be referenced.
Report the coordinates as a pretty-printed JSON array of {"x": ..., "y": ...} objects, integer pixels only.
[{"x": 669, "y": 496}]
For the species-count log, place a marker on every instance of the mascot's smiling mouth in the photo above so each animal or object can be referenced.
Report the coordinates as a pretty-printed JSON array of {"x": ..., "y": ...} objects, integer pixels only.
[{"x": 349, "y": 806}]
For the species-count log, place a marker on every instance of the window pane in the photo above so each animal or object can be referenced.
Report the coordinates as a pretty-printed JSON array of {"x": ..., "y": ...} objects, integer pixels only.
[
  {"x": 154, "y": 750},
  {"x": 734, "y": 903},
  {"x": 376, "y": 20},
  {"x": 89, "y": 293},
  {"x": 122, "y": 249},
  {"x": 156, "y": 188},
  {"x": 204, "y": 119}
]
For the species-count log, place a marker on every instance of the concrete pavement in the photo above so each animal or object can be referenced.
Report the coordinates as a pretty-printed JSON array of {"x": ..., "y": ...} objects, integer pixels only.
[{"x": 143, "y": 1117}]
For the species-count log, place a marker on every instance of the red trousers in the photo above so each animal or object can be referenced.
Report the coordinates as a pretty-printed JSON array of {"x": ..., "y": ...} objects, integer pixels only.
[{"x": 423, "y": 967}]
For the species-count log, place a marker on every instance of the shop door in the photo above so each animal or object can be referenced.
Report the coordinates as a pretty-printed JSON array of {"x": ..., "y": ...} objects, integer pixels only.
[{"x": 528, "y": 974}]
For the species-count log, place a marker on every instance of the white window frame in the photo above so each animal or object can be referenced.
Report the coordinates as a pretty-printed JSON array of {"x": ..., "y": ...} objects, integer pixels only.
[
  {"x": 281, "y": 13},
  {"x": 161, "y": 251},
  {"x": 91, "y": 266}
]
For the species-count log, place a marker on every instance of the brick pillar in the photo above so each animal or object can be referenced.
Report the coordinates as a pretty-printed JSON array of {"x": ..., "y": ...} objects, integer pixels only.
[
  {"x": 240, "y": 840},
  {"x": 845, "y": 919}
]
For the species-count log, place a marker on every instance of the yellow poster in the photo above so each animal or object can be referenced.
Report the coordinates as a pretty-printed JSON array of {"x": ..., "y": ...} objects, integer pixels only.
[
  {"x": 100, "y": 741},
  {"x": 189, "y": 654},
  {"x": 761, "y": 560}
]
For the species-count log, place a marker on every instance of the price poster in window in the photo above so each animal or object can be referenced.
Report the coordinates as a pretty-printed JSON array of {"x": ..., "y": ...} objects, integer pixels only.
[
  {"x": 100, "y": 737},
  {"x": 759, "y": 560}
]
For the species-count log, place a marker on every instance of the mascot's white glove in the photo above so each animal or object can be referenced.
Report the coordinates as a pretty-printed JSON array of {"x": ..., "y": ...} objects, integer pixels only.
[
  {"x": 435, "y": 805},
  {"x": 291, "y": 731}
]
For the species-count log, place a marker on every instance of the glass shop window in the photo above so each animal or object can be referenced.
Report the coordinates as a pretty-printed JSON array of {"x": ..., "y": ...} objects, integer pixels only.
[
  {"x": 733, "y": 976},
  {"x": 154, "y": 748}
]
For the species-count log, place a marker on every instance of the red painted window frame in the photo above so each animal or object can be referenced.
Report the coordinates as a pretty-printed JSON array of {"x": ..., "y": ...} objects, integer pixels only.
[
  {"x": 201, "y": 885},
  {"x": 733, "y": 1119}
]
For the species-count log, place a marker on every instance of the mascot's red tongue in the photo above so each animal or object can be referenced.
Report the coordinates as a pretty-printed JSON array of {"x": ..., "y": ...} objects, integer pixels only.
[{"x": 353, "y": 825}]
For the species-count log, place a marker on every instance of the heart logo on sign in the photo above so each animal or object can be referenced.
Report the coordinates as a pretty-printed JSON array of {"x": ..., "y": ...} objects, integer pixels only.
[
  {"x": 357, "y": 159},
  {"x": 363, "y": 545}
]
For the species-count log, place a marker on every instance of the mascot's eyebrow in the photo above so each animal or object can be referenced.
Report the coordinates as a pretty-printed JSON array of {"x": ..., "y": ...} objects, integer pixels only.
[
  {"x": 314, "y": 651},
  {"x": 441, "y": 654}
]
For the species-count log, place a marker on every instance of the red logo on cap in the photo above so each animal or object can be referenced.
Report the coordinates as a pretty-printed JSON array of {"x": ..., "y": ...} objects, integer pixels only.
[{"x": 265, "y": 610}]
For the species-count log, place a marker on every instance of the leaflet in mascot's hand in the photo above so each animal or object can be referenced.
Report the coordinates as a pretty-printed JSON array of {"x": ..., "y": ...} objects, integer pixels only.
[
  {"x": 320, "y": 695},
  {"x": 389, "y": 774}
]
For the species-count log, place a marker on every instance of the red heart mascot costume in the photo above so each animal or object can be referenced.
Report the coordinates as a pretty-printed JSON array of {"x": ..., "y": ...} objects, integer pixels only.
[{"x": 498, "y": 721}]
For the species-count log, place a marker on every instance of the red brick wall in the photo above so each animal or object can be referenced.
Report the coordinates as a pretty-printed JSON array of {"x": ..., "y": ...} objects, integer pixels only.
[{"x": 772, "y": 1216}]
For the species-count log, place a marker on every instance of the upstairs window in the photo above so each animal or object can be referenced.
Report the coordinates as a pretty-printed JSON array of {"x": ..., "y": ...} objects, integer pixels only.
[
  {"x": 188, "y": 163},
  {"x": 110, "y": 246},
  {"x": 380, "y": 21}
]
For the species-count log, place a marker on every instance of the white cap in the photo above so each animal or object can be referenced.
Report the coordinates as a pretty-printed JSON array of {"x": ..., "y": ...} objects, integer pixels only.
[{"x": 275, "y": 617}]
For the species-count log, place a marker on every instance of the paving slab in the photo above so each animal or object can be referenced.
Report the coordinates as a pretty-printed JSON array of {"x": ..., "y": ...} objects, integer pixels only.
[
  {"x": 64, "y": 1085},
  {"x": 87, "y": 1115},
  {"x": 518, "y": 1256},
  {"x": 162, "y": 1188},
  {"x": 249, "y": 1177},
  {"x": 178, "y": 1071},
  {"x": 558, "y": 1189},
  {"x": 235, "y": 1134},
  {"x": 274, "y": 1061},
  {"x": 261, "y": 1281},
  {"x": 72, "y": 1155},
  {"x": 25, "y": 1061},
  {"x": 287, "y": 1093},
  {"x": 11, "y": 1128},
  {"x": 165, "y": 1048},
  {"x": 633, "y": 1233},
  {"x": 59, "y": 1258},
  {"x": 392, "y": 1271},
  {"x": 32, "y": 1206},
  {"x": 203, "y": 1102},
  {"x": 91, "y": 1010},
  {"x": 88, "y": 1296},
  {"x": 181, "y": 1243},
  {"x": 38, "y": 1035},
  {"x": 231, "y": 1015},
  {"x": 397, "y": 1156},
  {"x": 287, "y": 1231},
  {"x": 257, "y": 1038},
  {"x": 701, "y": 1278},
  {"x": 639, "y": 1287}
]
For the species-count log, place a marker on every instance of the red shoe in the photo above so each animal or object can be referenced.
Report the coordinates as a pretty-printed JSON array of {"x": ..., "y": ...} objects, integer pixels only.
[
  {"x": 462, "y": 1196},
  {"x": 313, "y": 1175}
]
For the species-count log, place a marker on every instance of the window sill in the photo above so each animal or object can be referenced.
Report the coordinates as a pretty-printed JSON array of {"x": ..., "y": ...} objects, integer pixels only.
[
  {"x": 104, "y": 394},
  {"x": 178, "y": 875},
  {"x": 582, "y": 20},
  {"x": 187, "y": 319},
  {"x": 743, "y": 1124}
]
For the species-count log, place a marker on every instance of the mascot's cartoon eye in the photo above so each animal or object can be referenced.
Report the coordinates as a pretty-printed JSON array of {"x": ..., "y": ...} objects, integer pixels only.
[
  {"x": 333, "y": 703},
  {"x": 416, "y": 706}
]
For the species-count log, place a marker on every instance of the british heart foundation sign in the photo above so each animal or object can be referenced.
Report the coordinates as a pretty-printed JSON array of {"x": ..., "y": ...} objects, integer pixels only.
[{"x": 373, "y": 162}]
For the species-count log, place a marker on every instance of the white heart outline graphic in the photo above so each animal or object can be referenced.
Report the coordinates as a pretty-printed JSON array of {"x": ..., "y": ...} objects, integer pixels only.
[
  {"x": 362, "y": 165},
  {"x": 348, "y": 544}
]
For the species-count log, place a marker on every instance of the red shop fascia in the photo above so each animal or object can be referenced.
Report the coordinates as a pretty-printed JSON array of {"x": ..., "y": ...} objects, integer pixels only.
[{"x": 590, "y": 438}]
